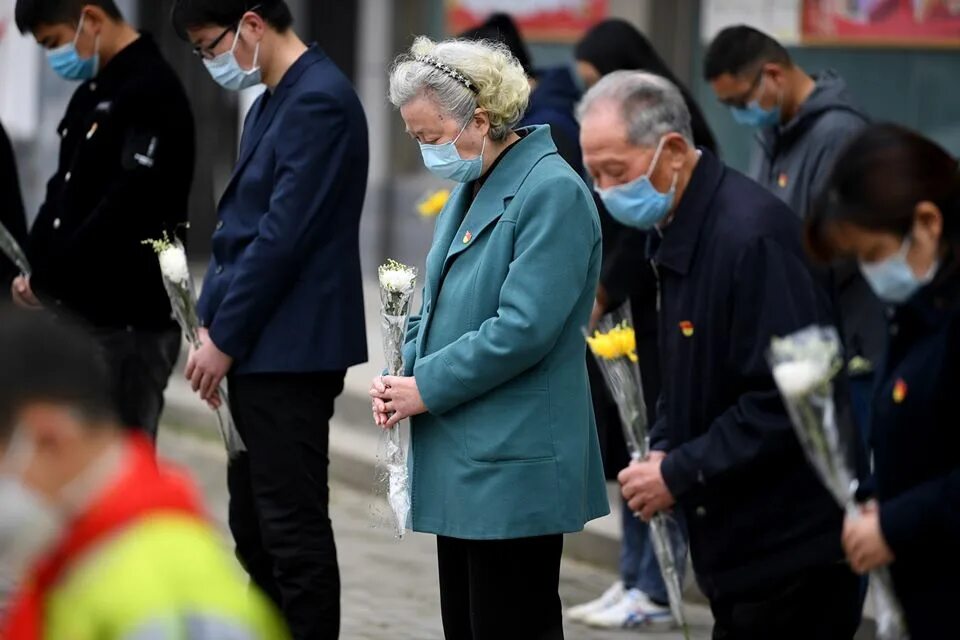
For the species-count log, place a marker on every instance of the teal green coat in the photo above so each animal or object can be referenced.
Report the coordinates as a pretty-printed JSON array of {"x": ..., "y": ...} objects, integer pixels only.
[{"x": 508, "y": 447}]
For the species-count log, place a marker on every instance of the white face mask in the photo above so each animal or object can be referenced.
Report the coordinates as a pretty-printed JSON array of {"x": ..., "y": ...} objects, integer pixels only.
[
  {"x": 29, "y": 524},
  {"x": 227, "y": 72}
]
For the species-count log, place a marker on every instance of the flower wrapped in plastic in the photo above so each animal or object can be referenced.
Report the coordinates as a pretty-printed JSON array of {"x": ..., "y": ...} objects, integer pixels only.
[
  {"x": 614, "y": 347},
  {"x": 397, "y": 285},
  {"x": 183, "y": 300},
  {"x": 804, "y": 365},
  {"x": 11, "y": 248}
]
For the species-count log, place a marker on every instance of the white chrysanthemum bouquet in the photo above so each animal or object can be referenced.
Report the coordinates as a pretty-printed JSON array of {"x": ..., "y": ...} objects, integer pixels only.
[
  {"x": 804, "y": 365},
  {"x": 183, "y": 300},
  {"x": 397, "y": 285}
]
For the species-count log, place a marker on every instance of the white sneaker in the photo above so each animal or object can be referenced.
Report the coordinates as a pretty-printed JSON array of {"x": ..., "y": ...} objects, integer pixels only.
[
  {"x": 634, "y": 610},
  {"x": 610, "y": 597}
]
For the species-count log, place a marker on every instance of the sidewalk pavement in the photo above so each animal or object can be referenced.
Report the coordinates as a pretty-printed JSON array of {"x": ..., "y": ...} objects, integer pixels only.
[
  {"x": 353, "y": 447},
  {"x": 354, "y": 437}
]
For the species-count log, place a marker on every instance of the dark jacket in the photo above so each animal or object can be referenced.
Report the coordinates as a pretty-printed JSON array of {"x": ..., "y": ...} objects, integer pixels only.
[
  {"x": 11, "y": 208},
  {"x": 915, "y": 438},
  {"x": 732, "y": 276},
  {"x": 553, "y": 102},
  {"x": 283, "y": 293},
  {"x": 125, "y": 170},
  {"x": 794, "y": 161}
]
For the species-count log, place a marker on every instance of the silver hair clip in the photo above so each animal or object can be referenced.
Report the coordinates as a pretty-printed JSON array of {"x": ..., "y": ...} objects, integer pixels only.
[{"x": 448, "y": 70}]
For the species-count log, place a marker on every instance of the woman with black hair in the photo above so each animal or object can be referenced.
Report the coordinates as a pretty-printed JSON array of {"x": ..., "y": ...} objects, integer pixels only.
[
  {"x": 616, "y": 45},
  {"x": 893, "y": 203}
]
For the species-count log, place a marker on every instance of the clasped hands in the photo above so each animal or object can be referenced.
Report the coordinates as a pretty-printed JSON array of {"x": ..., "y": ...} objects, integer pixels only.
[{"x": 395, "y": 398}]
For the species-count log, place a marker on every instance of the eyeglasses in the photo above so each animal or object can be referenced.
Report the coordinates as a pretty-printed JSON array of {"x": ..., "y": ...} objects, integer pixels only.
[
  {"x": 207, "y": 52},
  {"x": 744, "y": 98}
]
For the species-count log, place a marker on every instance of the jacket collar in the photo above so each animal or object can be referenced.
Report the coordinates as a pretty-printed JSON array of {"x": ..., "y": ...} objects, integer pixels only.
[
  {"x": 499, "y": 189},
  {"x": 680, "y": 237},
  {"x": 263, "y": 120},
  {"x": 126, "y": 63},
  {"x": 933, "y": 304}
]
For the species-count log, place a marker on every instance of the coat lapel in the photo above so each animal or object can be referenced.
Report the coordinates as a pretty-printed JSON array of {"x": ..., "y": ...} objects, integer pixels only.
[
  {"x": 251, "y": 139},
  {"x": 447, "y": 225},
  {"x": 486, "y": 209}
]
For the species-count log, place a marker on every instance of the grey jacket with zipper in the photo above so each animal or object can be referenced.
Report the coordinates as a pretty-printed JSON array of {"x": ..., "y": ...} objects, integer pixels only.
[{"x": 793, "y": 161}]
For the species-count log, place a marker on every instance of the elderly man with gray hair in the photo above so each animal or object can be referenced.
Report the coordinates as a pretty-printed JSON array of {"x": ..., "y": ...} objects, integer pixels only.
[{"x": 764, "y": 534}]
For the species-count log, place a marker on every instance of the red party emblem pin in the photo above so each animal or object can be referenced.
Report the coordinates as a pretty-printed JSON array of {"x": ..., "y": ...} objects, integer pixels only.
[
  {"x": 899, "y": 391},
  {"x": 686, "y": 328}
]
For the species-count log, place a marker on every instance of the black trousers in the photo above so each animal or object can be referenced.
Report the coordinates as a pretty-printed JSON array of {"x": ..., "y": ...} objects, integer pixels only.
[
  {"x": 140, "y": 364},
  {"x": 500, "y": 589},
  {"x": 822, "y": 604},
  {"x": 279, "y": 495}
]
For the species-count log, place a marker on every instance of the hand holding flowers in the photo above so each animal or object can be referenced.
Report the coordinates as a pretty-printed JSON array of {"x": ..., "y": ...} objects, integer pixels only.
[
  {"x": 863, "y": 540},
  {"x": 395, "y": 399}
]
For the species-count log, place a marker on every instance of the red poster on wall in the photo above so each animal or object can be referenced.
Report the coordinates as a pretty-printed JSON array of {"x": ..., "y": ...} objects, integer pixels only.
[
  {"x": 920, "y": 23},
  {"x": 539, "y": 20}
]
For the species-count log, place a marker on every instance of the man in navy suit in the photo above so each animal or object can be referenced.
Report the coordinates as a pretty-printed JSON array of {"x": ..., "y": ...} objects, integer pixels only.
[{"x": 282, "y": 302}]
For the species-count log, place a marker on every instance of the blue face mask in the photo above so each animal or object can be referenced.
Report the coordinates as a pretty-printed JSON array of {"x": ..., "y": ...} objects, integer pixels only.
[
  {"x": 638, "y": 203},
  {"x": 444, "y": 160},
  {"x": 892, "y": 279},
  {"x": 227, "y": 72},
  {"x": 68, "y": 64},
  {"x": 753, "y": 115}
]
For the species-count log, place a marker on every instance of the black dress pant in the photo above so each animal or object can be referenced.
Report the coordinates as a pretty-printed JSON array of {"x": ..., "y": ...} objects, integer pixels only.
[
  {"x": 822, "y": 604},
  {"x": 501, "y": 589},
  {"x": 279, "y": 495},
  {"x": 140, "y": 364}
]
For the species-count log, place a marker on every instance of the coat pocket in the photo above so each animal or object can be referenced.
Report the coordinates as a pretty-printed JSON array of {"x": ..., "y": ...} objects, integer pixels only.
[{"x": 508, "y": 425}]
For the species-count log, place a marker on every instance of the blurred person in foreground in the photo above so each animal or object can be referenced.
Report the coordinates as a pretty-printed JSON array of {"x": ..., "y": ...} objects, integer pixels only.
[
  {"x": 504, "y": 451},
  {"x": 892, "y": 202},
  {"x": 124, "y": 175},
  {"x": 801, "y": 123},
  {"x": 764, "y": 532},
  {"x": 107, "y": 543}
]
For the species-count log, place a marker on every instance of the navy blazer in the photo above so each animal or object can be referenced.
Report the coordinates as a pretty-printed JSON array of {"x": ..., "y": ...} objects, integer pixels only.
[
  {"x": 733, "y": 275},
  {"x": 283, "y": 293}
]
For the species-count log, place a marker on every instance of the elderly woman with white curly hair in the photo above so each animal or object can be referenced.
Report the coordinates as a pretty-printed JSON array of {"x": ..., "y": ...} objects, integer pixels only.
[{"x": 504, "y": 452}]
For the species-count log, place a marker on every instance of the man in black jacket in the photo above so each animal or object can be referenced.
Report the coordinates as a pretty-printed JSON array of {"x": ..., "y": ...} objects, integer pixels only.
[
  {"x": 763, "y": 530},
  {"x": 11, "y": 205},
  {"x": 124, "y": 175}
]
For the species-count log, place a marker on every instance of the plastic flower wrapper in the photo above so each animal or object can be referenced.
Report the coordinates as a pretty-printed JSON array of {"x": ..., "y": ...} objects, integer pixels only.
[
  {"x": 397, "y": 285},
  {"x": 432, "y": 203},
  {"x": 183, "y": 300},
  {"x": 614, "y": 346},
  {"x": 804, "y": 365},
  {"x": 11, "y": 248}
]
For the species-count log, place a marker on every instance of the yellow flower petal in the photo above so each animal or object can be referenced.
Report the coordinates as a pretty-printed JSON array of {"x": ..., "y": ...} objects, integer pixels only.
[{"x": 433, "y": 204}]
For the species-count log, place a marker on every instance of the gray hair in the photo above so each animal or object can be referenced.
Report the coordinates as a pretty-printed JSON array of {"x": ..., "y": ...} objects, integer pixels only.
[
  {"x": 652, "y": 106},
  {"x": 461, "y": 75}
]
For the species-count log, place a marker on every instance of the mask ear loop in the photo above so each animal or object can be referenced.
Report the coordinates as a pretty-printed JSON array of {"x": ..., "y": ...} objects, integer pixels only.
[
  {"x": 76, "y": 36},
  {"x": 656, "y": 157}
]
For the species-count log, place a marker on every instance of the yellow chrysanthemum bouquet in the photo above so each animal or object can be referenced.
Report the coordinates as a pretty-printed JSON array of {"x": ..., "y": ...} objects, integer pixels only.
[{"x": 614, "y": 346}]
